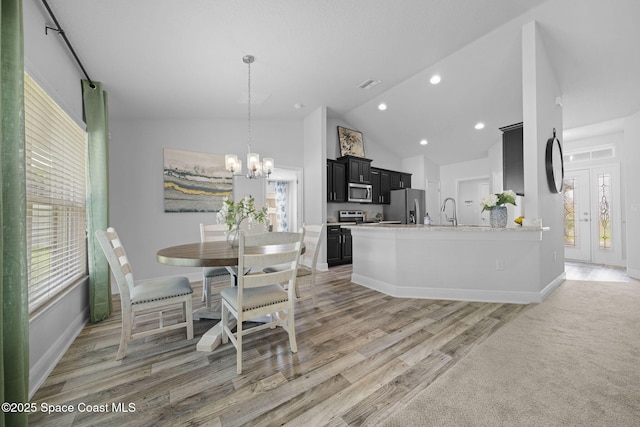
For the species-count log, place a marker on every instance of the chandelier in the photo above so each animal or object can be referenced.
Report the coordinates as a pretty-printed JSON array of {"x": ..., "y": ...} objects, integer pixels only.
[{"x": 255, "y": 168}]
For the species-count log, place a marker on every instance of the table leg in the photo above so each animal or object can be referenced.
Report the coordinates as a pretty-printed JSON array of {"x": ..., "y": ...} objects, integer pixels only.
[{"x": 213, "y": 337}]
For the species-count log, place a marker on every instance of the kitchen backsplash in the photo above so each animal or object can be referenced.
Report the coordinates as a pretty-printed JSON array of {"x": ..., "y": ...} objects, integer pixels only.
[{"x": 369, "y": 210}]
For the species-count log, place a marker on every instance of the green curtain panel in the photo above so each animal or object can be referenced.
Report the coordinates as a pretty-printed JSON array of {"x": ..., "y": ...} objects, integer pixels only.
[
  {"x": 97, "y": 118},
  {"x": 14, "y": 343}
]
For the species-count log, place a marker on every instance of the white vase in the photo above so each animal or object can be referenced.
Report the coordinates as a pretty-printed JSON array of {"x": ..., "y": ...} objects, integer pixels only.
[{"x": 498, "y": 216}]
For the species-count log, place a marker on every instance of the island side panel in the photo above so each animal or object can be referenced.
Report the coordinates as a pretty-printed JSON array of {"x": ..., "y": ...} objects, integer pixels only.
[{"x": 477, "y": 265}]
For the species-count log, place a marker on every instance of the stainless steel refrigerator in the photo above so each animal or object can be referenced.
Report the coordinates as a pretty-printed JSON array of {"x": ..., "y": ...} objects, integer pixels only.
[{"x": 407, "y": 206}]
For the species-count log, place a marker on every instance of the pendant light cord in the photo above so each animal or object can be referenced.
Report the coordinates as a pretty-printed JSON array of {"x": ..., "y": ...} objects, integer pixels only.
[{"x": 249, "y": 109}]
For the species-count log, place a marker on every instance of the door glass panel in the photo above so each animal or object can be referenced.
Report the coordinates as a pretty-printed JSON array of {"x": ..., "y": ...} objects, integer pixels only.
[
  {"x": 604, "y": 211},
  {"x": 570, "y": 230}
]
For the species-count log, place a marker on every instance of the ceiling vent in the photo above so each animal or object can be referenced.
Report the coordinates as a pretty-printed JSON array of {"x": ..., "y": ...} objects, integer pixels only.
[
  {"x": 256, "y": 98},
  {"x": 368, "y": 84}
]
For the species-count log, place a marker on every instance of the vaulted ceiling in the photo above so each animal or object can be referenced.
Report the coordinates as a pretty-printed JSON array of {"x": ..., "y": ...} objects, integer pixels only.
[{"x": 163, "y": 59}]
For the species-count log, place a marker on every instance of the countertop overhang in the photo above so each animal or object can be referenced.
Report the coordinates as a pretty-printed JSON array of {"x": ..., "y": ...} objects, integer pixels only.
[{"x": 456, "y": 228}]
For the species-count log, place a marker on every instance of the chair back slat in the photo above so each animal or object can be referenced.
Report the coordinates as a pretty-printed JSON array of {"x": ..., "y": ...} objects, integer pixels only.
[
  {"x": 118, "y": 261},
  {"x": 279, "y": 248},
  {"x": 213, "y": 232},
  {"x": 314, "y": 235}
]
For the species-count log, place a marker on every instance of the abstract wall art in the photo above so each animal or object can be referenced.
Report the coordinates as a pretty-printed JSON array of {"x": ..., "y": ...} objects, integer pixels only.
[{"x": 195, "y": 182}]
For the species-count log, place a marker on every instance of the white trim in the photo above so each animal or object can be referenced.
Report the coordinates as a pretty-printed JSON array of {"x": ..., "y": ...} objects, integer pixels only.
[
  {"x": 632, "y": 272},
  {"x": 40, "y": 370},
  {"x": 459, "y": 294}
]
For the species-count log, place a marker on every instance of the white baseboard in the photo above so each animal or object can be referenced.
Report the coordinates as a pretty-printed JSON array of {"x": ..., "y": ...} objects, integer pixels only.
[
  {"x": 41, "y": 369},
  {"x": 631, "y": 272},
  {"x": 459, "y": 294},
  {"x": 548, "y": 290}
]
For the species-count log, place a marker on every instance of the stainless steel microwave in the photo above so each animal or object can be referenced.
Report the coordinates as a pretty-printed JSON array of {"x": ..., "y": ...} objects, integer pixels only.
[{"x": 359, "y": 193}]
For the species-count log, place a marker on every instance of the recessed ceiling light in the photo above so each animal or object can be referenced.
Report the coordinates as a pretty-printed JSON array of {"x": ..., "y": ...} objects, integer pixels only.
[
  {"x": 479, "y": 125},
  {"x": 382, "y": 106},
  {"x": 298, "y": 106},
  {"x": 435, "y": 79},
  {"x": 424, "y": 142}
]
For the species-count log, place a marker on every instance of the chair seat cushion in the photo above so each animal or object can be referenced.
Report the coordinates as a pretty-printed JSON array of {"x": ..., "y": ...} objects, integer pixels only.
[
  {"x": 255, "y": 297},
  {"x": 159, "y": 289},
  {"x": 302, "y": 270},
  {"x": 216, "y": 272}
]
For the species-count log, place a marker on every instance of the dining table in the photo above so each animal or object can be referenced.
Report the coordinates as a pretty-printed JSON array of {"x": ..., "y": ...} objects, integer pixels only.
[{"x": 211, "y": 254}]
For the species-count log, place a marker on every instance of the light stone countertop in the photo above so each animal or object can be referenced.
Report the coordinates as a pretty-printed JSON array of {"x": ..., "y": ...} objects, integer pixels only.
[{"x": 458, "y": 228}]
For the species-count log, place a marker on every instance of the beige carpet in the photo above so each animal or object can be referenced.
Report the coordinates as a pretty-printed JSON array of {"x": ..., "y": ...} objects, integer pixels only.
[{"x": 572, "y": 360}]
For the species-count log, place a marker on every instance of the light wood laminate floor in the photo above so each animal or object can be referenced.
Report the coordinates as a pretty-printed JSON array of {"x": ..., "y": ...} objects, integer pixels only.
[{"x": 360, "y": 354}]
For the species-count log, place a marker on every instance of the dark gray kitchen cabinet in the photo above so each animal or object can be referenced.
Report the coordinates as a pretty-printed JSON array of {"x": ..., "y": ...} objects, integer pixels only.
[
  {"x": 339, "y": 245},
  {"x": 380, "y": 186},
  {"x": 400, "y": 180},
  {"x": 358, "y": 169},
  {"x": 336, "y": 182}
]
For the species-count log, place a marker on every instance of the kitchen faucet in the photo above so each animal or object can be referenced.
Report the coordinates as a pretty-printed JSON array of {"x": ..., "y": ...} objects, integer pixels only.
[{"x": 453, "y": 220}]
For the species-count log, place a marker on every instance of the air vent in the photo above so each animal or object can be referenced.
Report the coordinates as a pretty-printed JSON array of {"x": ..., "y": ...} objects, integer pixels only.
[
  {"x": 368, "y": 84},
  {"x": 256, "y": 98}
]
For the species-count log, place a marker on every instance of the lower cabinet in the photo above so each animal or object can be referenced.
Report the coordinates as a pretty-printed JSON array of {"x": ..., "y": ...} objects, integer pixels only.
[{"x": 339, "y": 245}]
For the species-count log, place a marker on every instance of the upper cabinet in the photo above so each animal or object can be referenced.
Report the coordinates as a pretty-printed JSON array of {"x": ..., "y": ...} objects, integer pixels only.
[
  {"x": 512, "y": 158},
  {"x": 358, "y": 169},
  {"x": 400, "y": 180},
  {"x": 380, "y": 186},
  {"x": 336, "y": 182}
]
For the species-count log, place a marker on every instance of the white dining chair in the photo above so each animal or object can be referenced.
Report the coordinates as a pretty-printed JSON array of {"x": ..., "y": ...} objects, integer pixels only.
[
  {"x": 147, "y": 296},
  {"x": 213, "y": 233},
  {"x": 314, "y": 235},
  {"x": 260, "y": 294}
]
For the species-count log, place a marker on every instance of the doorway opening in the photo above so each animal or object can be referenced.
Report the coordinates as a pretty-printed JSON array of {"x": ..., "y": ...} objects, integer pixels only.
[
  {"x": 283, "y": 199},
  {"x": 469, "y": 193}
]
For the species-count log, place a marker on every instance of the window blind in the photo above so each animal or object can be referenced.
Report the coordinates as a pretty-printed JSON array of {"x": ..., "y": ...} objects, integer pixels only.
[{"x": 56, "y": 197}]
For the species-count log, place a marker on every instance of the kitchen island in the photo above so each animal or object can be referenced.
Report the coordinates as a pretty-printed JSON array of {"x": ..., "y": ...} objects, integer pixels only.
[{"x": 470, "y": 263}]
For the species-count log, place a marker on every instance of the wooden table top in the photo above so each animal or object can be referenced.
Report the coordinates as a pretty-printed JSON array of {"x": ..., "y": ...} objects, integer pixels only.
[{"x": 209, "y": 254}]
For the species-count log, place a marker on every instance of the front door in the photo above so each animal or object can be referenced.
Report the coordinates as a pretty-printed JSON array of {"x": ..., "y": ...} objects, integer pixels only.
[
  {"x": 592, "y": 215},
  {"x": 577, "y": 215}
]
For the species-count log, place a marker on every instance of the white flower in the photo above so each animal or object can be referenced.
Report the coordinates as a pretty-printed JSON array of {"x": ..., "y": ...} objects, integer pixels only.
[{"x": 489, "y": 201}]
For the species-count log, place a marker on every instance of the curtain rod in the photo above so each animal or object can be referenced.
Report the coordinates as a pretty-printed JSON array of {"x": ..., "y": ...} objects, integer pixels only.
[{"x": 60, "y": 31}]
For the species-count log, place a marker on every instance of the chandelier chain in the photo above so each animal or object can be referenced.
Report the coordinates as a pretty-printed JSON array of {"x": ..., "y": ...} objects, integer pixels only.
[{"x": 249, "y": 109}]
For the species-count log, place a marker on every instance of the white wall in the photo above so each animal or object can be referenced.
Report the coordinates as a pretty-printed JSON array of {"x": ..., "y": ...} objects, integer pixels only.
[
  {"x": 632, "y": 195},
  {"x": 452, "y": 174},
  {"x": 136, "y": 178},
  {"x": 315, "y": 169},
  {"x": 415, "y": 166},
  {"x": 380, "y": 156},
  {"x": 541, "y": 116}
]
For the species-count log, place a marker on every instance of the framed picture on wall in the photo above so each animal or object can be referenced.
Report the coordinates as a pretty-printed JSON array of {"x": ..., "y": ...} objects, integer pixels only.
[
  {"x": 195, "y": 182},
  {"x": 350, "y": 142}
]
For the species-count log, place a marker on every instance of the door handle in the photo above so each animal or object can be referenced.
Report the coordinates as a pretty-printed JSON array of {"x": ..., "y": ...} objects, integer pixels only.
[{"x": 584, "y": 220}]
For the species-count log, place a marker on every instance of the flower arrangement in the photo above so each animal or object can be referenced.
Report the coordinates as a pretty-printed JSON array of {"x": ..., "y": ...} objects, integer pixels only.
[
  {"x": 491, "y": 200},
  {"x": 233, "y": 213}
]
